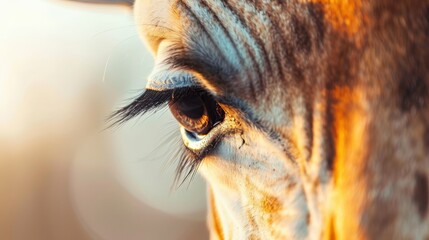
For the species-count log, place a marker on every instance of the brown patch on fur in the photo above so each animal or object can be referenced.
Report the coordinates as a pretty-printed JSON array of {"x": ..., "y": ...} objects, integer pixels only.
[
  {"x": 343, "y": 15},
  {"x": 270, "y": 204},
  {"x": 420, "y": 196},
  {"x": 308, "y": 219},
  {"x": 263, "y": 200}
]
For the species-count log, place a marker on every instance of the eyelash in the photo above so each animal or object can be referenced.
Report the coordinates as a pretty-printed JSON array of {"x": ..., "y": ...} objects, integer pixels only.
[
  {"x": 151, "y": 101},
  {"x": 189, "y": 161},
  {"x": 187, "y": 166}
]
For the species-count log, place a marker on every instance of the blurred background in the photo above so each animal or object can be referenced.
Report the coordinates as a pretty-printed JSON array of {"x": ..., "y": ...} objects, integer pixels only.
[{"x": 64, "y": 67}]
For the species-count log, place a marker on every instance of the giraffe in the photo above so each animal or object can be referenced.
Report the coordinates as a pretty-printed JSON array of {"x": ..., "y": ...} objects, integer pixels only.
[{"x": 307, "y": 118}]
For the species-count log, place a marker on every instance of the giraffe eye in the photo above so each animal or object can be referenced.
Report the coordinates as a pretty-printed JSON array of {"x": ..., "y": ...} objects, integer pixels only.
[{"x": 196, "y": 111}]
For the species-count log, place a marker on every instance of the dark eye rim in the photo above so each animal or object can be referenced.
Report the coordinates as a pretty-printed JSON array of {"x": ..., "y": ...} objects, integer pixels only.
[{"x": 214, "y": 112}]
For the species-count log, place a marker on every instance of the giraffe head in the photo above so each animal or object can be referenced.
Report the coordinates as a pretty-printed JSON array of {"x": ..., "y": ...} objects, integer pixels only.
[{"x": 308, "y": 118}]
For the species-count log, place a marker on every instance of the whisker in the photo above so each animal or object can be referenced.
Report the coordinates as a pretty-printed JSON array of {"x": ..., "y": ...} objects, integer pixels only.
[
  {"x": 112, "y": 52},
  {"x": 105, "y": 68}
]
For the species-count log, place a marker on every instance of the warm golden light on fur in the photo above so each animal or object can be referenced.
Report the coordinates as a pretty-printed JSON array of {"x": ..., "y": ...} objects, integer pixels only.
[
  {"x": 346, "y": 200},
  {"x": 343, "y": 15}
]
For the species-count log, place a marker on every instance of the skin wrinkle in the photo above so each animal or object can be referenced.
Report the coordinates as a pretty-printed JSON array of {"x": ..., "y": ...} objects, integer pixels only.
[
  {"x": 242, "y": 40},
  {"x": 202, "y": 27},
  {"x": 228, "y": 36},
  {"x": 253, "y": 17},
  {"x": 255, "y": 46},
  {"x": 280, "y": 51}
]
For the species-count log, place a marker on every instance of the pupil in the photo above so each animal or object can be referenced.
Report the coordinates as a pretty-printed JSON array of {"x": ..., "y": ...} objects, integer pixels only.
[
  {"x": 195, "y": 111},
  {"x": 192, "y": 107}
]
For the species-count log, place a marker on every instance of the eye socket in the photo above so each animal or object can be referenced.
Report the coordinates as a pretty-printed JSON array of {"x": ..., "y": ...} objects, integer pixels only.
[{"x": 196, "y": 111}]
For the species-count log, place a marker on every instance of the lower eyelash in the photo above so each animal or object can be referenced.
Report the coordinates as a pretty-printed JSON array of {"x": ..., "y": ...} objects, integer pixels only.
[
  {"x": 187, "y": 166},
  {"x": 190, "y": 161}
]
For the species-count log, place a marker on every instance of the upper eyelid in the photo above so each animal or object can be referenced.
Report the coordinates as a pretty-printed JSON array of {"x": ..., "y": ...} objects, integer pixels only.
[
  {"x": 165, "y": 76},
  {"x": 165, "y": 79},
  {"x": 169, "y": 72},
  {"x": 171, "y": 79}
]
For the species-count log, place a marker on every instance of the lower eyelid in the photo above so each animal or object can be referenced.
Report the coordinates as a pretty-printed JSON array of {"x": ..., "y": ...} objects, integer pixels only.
[{"x": 227, "y": 127}]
